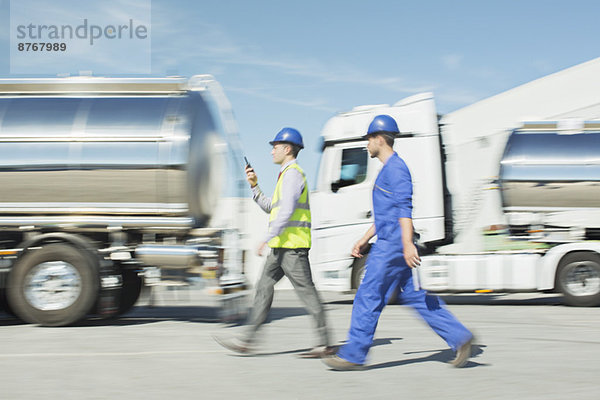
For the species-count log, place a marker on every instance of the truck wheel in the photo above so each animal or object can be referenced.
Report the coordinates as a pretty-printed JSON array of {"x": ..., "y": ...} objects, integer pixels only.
[
  {"x": 358, "y": 272},
  {"x": 54, "y": 285},
  {"x": 578, "y": 278},
  {"x": 130, "y": 291}
]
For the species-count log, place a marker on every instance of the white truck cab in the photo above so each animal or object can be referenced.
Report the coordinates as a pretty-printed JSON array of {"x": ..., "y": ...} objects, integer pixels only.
[{"x": 341, "y": 205}]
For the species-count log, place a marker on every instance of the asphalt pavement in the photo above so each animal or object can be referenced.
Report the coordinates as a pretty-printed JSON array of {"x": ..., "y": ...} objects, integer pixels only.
[{"x": 527, "y": 347}]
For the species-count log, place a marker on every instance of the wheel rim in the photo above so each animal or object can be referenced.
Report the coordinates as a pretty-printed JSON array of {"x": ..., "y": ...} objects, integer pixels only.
[
  {"x": 583, "y": 278},
  {"x": 52, "y": 285}
]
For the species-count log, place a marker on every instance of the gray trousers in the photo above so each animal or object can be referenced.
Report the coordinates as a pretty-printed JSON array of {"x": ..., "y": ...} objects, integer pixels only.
[{"x": 294, "y": 264}]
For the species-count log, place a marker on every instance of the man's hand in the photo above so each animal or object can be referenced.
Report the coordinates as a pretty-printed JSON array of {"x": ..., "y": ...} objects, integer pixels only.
[
  {"x": 251, "y": 176},
  {"x": 261, "y": 249},
  {"x": 411, "y": 256},
  {"x": 359, "y": 248}
]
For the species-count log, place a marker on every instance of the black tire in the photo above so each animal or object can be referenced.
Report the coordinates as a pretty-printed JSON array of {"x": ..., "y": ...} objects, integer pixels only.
[
  {"x": 578, "y": 279},
  {"x": 130, "y": 291},
  {"x": 358, "y": 271},
  {"x": 71, "y": 268}
]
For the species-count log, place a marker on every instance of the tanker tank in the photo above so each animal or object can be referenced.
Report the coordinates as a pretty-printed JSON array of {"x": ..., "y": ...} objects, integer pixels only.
[
  {"x": 130, "y": 151},
  {"x": 112, "y": 184},
  {"x": 548, "y": 170}
]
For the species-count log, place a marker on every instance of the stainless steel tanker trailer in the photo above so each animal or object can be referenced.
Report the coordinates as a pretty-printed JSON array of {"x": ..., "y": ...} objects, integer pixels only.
[
  {"x": 107, "y": 181},
  {"x": 548, "y": 190}
]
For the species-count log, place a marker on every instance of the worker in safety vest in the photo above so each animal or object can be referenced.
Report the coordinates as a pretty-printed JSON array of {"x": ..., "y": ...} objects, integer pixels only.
[
  {"x": 289, "y": 239},
  {"x": 391, "y": 260}
]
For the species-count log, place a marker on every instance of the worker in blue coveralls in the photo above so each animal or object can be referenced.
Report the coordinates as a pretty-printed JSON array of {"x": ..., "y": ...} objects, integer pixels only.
[{"x": 391, "y": 259}]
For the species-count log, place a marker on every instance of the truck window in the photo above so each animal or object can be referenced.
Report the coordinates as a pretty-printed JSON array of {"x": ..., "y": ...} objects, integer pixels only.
[{"x": 353, "y": 169}]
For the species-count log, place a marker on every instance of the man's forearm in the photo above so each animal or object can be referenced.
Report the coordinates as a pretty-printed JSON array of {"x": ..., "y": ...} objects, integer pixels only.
[
  {"x": 407, "y": 230},
  {"x": 369, "y": 234},
  {"x": 263, "y": 201}
]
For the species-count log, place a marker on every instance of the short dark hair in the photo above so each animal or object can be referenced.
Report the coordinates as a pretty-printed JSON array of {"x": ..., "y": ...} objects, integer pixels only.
[
  {"x": 295, "y": 149},
  {"x": 389, "y": 139}
]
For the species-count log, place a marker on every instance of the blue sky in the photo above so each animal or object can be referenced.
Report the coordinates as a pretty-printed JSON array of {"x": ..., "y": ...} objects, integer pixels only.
[{"x": 285, "y": 63}]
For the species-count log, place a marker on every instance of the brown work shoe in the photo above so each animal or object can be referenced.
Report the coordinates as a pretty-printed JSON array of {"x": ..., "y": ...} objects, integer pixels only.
[
  {"x": 234, "y": 344},
  {"x": 339, "y": 364},
  {"x": 318, "y": 352},
  {"x": 462, "y": 354}
]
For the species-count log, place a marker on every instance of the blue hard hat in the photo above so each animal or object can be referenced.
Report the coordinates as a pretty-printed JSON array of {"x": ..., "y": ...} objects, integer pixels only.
[
  {"x": 383, "y": 124},
  {"x": 288, "y": 135}
]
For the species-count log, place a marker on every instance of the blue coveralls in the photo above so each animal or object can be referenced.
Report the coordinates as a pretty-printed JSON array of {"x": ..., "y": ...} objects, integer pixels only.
[{"x": 386, "y": 269}]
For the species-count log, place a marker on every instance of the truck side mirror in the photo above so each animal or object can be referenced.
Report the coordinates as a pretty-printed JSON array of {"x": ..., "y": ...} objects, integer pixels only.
[{"x": 335, "y": 186}]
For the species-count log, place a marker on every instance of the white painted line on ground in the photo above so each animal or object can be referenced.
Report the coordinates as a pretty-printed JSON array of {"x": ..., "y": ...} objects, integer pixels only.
[{"x": 139, "y": 353}]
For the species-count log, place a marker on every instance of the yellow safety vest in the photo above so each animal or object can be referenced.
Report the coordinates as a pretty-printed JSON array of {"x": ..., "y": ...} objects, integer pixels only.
[{"x": 296, "y": 232}]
